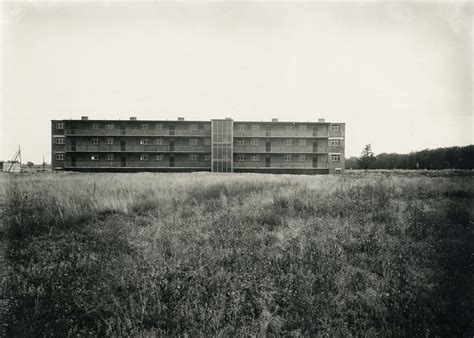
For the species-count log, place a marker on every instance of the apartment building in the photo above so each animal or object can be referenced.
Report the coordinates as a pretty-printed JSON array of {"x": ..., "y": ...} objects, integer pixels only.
[{"x": 219, "y": 145}]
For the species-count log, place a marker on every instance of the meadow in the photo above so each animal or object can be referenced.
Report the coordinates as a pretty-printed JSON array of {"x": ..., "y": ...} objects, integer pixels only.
[{"x": 372, "y": 254}]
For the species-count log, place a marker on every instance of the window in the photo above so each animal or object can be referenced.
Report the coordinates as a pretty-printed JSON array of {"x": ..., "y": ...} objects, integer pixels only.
[
  {"x": 207, "y": 141},
  {"x": 193, "y": 141},
  {"x": 207, "y": 127},
  {"x": 144, "y": 157},
  {"x": 193, "y": 157},
  {"x": 289, "y": 128},
  {"x": 288, "y": 142},
  {"x": 109, "y": 157},
  {"x": 60, "y": 157},
  {"x": 255, "y": 158},
  {"x": 254, "y": 142},
  {"x": 240, "y": 157},
  {"x": 335, "y": 127},
  {"x": 302, "y": 158},
  {"x": 207, "y": 157},
  {"x": 144, "y": 142},
  {"x": 109, "y": 126},
  {"x": 95, "y": 157},
  {"x": 95, "y": 141},
  {"x": 194, "y": 127},
  {"x": 159, "y": 141},
  {"x": 60, "y": 140},
  {"x": 335, "y": 142},
  {"x": 287, "y": 157},
  {"x": 241, "y": 142},
  {"x": 302, "y": 142},
  {"x": 144, "y": 126},
  {"x": 241, "y": 127},
  {"x": 255, "y": 127},
  {"x": 60, "y": 125},
  {"x": 95, "y": 126},
  {"x": 110, "y": 140},
  {"x": 335, "y": 157},
  {"x": 302, "y": 128},
  {"x": 160, "y": 157},
  {"x": 159, "y": 126}
]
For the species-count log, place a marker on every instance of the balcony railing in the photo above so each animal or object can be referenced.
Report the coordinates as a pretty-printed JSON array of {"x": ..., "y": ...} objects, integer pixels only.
[
  {"x": 139, "y": 164},
  {"x": 280, "y": 133},
  {"x": 137, "y": 132},
  {"x": 192, "y": 148},
  {"x": 279, "y": 165},
  {"x": 282, "y": 150},
  {"x": 138, "y": 148}
]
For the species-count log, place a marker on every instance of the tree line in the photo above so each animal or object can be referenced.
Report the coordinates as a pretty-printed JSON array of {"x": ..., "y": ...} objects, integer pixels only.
[{"x": 459, "y": 158}]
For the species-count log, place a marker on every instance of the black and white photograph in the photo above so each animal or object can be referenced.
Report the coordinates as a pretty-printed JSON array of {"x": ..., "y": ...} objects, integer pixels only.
[{"x": 244, "y": 168}]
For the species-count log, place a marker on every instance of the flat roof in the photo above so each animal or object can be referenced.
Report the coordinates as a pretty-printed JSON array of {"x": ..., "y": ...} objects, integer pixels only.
[{"x": 200, "y": 121}]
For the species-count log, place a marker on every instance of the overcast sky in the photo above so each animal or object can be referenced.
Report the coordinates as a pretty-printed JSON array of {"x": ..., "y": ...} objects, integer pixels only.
[{"x": 398, "y": 74}]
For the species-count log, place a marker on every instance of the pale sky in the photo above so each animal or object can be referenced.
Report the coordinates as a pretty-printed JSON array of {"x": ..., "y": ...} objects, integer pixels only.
[{"x": 399, "y": 74}]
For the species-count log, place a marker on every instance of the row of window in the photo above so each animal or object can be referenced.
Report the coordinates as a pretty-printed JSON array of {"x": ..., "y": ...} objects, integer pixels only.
[
  {"x": 143, "y": 141},
  {"x": 256, "y": 127},
  {"x": 207, "y": 141},
  {"x": 161, "y": 157},
  {"x": 207, "y": 126},
  {"x": 195, "y": 157},
  {"x": 158, "y": 126},
  {"x": 242, "y": 157},
  {"x": 288, "y": 142},
  {"x": 143, "y": 157}
]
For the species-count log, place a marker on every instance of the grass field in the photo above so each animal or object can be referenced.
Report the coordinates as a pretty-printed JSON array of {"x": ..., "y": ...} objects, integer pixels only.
[{"x": 381, "y": 253}]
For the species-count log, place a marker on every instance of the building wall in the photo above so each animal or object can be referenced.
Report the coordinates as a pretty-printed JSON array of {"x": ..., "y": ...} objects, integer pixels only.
[
  {"x": 264, "y": 146},
  {"x": 57, "y": 132}
]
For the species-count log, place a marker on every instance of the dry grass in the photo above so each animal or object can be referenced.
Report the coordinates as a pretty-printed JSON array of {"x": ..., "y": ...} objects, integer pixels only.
[{"x": 208, "y": 254}]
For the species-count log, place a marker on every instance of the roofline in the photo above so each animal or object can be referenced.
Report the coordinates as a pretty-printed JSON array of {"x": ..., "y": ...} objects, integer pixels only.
[{"x": 198, "y": 121}]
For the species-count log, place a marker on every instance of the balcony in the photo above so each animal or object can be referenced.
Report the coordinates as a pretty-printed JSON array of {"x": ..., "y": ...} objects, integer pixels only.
[
  {"x": 281, "y": 134},
  {"x": 279, "y": 165},
  {"x": 138, "y": 132},
  {"x": 138, "y": 148},
  {"x": 280, "y": 150},
  {"x": 150, "y": 164}
]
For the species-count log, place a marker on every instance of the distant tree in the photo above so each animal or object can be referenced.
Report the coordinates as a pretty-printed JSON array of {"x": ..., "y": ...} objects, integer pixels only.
[
  {"x": 352, "y": 163},
  {"x": 367, "y": 157},
  {"x": 454, "y": 158},
  {"x": 30, "y": 164}
]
